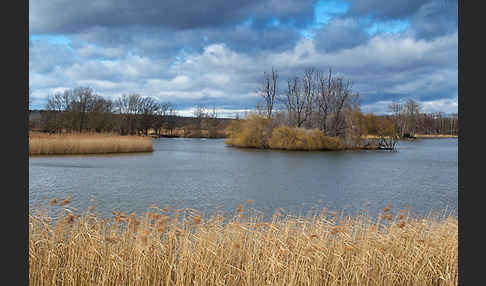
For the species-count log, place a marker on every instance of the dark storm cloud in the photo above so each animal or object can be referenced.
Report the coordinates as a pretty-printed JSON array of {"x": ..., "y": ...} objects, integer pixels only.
[
  {"x": 435, "y": 19},
  {"x": 428, "y": 18},
  {"x": 75, "y": 16},
  {"x": 248, "y": 39},
  {"x": 341, "y": 34},
  {"x": 154, "y": 42},
  {"x": 216, "y": 54},
  {"x": 384, "y": 9}
]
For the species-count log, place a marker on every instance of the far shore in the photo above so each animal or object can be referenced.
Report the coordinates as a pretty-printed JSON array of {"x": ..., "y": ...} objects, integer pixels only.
[
  {"x": 418, "y": 136},
  {"x": 435, "y": 136}
]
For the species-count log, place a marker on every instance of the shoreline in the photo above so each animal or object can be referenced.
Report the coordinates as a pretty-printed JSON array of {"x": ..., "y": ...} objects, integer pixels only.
[{"x": 418, "y": 136}]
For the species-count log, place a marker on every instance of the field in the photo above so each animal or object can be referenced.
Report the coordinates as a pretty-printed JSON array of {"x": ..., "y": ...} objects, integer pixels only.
[
  {"x": 183, "y": 247},
  {"x": 86, "y": 143}
]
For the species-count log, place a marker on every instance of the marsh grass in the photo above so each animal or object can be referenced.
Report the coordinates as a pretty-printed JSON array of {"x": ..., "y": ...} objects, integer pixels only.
[
  {"x": 435, "y": 136},
  {"x": 182, "y": 247},
  {"x": 86, "y": 143}
]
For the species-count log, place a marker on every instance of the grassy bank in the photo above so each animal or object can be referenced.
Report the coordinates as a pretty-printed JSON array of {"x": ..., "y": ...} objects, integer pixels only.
[
  {"x": 84, "y": 143},
  {"x": 171, "y": 247}
]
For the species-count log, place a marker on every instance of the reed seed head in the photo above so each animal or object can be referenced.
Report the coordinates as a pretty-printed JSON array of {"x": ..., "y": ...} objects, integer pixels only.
[{"x": 65, "y": 201}]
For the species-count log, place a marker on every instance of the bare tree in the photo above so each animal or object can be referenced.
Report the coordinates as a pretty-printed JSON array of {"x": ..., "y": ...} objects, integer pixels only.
[
  {"x": 100, "y": 116},
  {"x": 212, "y": 123},
  {"x": 161, "y": 116},
  {"x": 148, "y": 108},
  {"x": 412, "y": 111},
  {"x": 55, "y": 117},
  {"x": 323, "y": 99},
  {"x": 81, "y": 99},
  {"x": 343, "y": 99},
  {"x": 299, "y": 99},
  {"x": 200, "y": 113},
  {"x": 128, "y": 107},
  {"x": 171, "y": 118},
  {"x": 405, "y": 117},
  {"x": 398, "y": 117},
  {"x": 269, "y": 92}
]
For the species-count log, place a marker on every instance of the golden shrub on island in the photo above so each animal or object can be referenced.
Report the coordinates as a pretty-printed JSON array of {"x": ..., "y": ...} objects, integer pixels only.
[
  {"x": 250, "y": 132},
  {"x": 257, "y": 131},
  {"x": 289, "y": 138}
]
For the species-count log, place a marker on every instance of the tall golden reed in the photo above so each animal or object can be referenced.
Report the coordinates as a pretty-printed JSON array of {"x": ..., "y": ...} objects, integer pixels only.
[
  {"x": 174, "y": 247},
  {"x": 86, "y": 143}
]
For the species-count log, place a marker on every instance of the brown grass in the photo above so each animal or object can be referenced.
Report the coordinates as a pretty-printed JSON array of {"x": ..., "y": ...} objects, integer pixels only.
[
  {"x": 183, "y": 248},
  {"x": 86, "y": 143}
]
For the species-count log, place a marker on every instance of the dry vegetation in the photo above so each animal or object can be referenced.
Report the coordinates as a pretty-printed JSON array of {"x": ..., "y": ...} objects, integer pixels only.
[
  {"x": 288, "y": 138},
  {"x": 435, "y": 136},
  {"x": 174, "y": 247},
  {"x": 259, "y": 132},
  {"x": 86, "y": 143}
]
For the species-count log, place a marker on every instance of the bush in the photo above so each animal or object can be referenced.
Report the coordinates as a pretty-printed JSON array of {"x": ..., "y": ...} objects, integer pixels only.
[
  {"x": 288, "y": 138},
  {"x": 253, "y": 132},
  {"x": 259, "y": 132}
]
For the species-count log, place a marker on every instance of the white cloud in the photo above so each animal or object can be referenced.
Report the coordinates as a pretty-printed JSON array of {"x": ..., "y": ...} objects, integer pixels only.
[
  {"x": 441, "y": 105},
  {"x": 397, "y": 64}
]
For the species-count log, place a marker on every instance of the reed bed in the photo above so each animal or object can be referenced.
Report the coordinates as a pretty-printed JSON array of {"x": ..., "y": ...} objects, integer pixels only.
[
  {"x": 86, "y": 143},
  {"x": 435, "y": 136},
  {"x": 418, "y": 136},
  {"x": 183, "y": 247}
]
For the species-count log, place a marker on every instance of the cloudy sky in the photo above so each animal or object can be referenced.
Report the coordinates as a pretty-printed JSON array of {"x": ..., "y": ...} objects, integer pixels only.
[{"x": 215, "y": 52}]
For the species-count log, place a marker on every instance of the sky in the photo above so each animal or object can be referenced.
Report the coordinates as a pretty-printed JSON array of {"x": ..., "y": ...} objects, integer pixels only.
[{"x": 216, "y": 52}]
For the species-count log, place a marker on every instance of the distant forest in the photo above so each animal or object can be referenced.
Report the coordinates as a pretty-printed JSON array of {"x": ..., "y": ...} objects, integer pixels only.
[
  {"x": 81, "y": 110},
  {"x": 315, "y": 100}
]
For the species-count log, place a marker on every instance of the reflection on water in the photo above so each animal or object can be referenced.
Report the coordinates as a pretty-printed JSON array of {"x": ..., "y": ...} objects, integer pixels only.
[{"x": 207, "y": 175}]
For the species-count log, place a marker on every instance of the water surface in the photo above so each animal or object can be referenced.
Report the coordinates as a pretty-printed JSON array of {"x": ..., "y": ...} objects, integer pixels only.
[{"x": 207, "y": 175}]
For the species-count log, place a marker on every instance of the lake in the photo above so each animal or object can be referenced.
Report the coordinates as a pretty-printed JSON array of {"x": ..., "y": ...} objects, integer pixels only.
[{"x": 207, "y": 175}]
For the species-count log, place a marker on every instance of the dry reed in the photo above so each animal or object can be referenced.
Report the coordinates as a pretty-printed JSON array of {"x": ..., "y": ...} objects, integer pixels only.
[
  {"x": 183, "y": 248},
  {"x": 435, "y": 136},
  {"x": 86, "y": 143}
]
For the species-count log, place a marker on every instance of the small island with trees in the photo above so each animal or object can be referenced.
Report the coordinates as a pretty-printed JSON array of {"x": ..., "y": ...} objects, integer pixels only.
[{"x": 320, "y": 111}]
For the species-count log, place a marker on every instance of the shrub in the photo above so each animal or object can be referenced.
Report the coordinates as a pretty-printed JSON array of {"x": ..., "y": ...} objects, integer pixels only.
[
  {"x": 288, "y": 138},
  {"x": 253, "y": 132}
]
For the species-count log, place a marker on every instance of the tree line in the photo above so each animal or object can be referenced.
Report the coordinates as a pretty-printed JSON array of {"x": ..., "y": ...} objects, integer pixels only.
[
  {"x": 82, "y": 110},
  {"x": 314, "y": 100},
  {"x": 327, "y": 102}
]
